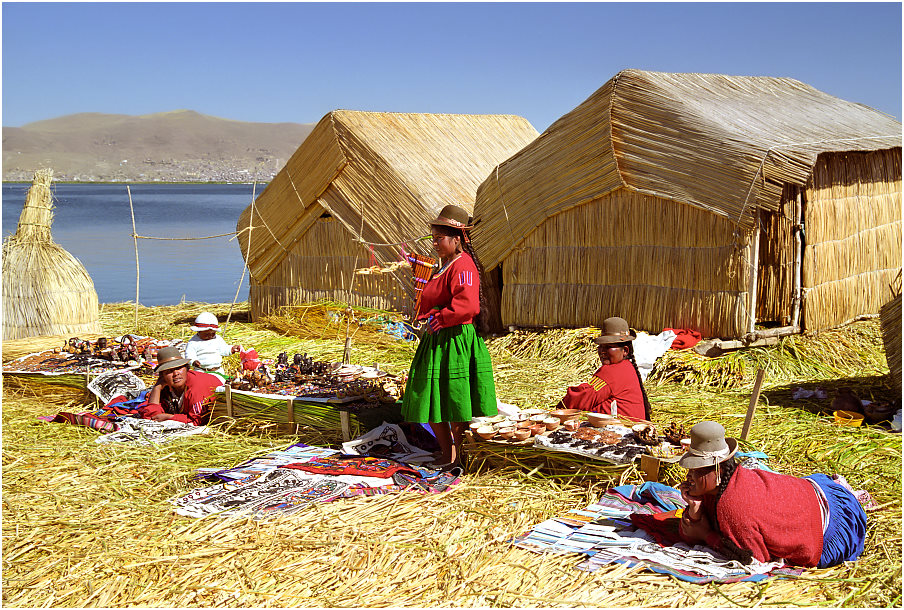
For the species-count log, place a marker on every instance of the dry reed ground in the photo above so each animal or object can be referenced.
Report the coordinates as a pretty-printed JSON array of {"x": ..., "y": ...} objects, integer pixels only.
[{"x": 88, "y": 526}]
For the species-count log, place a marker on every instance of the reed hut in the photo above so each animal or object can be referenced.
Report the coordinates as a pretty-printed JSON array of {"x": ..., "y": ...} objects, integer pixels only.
[
  {"x": 702, "y": 201},
  {"x": 46, "y": 290},
  {"x": 356, "y": 193}
]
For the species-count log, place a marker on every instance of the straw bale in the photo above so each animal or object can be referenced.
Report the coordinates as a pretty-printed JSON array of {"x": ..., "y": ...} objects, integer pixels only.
[
  {"x": 46, "y": 290},
  {"x": 382, "y": 176},
  {"x": 853, "y": 223},
  {"x": 606, "y": 258},
  {"x": 707, "y": 140}
]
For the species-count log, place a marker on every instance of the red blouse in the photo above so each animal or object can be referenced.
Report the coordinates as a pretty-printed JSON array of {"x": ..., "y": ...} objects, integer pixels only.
[
  {"x": 617, "y": 382},
  {"x": 197, "y": 399},
  {"x": 454, "y": 293}
]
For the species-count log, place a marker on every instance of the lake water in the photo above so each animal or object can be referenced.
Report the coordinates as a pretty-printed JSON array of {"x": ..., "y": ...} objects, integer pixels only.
[{"x": 93, "y": 222}]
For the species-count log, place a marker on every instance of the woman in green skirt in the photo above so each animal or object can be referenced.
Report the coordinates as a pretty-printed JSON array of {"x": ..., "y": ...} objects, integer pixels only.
[{"x": 451, "y": 377}]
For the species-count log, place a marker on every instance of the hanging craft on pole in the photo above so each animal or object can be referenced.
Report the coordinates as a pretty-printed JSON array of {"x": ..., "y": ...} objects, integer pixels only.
[{"x": 422, "y": 267}]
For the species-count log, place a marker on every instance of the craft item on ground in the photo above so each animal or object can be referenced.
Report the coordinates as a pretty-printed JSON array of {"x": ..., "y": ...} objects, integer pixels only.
[
  {"x": 316, "y": 489},
  {"x": 426, "y": 481},
  {"x": 800, "y": 393},
  {"x": 58, "y": 363},
  {"x": 386, "y": 440},
  {"x": 645, "y": 434},
  {"x": 875, "y": 412},
  {"x": 613, "y": 444},
  {"x": 110, "y": 384},
  {"x": 602, "y": 532},
  {"x": 148, "y": 432},
  {"x": 675, "y": 434}
]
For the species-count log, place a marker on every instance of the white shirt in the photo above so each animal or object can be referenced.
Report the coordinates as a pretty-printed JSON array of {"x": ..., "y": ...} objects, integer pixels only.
[{"x": 209, "y": 353}]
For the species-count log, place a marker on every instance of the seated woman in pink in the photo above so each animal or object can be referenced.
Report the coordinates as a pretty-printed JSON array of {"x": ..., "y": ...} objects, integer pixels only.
[
  {"x": 180, "y": 394},
  {"x": 617, "y": 380}
]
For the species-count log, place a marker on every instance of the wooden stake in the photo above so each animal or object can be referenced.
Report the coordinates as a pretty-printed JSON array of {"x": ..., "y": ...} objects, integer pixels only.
[
  {"x": 753, "y": 400},
  {"x": 290, "y": 405},
  {"x": 135, "y": 237},
  {"x": 228, "y": 400}
]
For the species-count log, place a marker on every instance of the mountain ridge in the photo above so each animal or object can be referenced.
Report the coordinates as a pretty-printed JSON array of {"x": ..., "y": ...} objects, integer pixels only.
[{"x": 172, "y": 146}]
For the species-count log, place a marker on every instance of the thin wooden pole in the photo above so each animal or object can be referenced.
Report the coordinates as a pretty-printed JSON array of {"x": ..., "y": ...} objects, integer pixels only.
[
  {"x": 137, "y": 271},
  {"x": 228, "y": 400},
  {"x": 798, "y": 261},
  {"x": 752, "y": 406},
  {"x": 754, "y": 264}
]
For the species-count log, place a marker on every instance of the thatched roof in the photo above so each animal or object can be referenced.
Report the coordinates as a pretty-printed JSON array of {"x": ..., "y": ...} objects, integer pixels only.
[
  {"x": 383, "y": 175},
  {"x": 720, "y": 143}
]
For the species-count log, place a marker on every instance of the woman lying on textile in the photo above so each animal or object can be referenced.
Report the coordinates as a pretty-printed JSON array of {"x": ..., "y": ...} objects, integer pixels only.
[
  {"x": 812, "y": 521},
  {"x": 180, "y": 394}
]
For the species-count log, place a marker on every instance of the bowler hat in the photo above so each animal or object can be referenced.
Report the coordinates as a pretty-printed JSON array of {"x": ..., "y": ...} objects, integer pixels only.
[
  {"x": 615, "y": 330},
  {"x": 170, "y": 358},
  {"x": 453, "y": 216},
  {"x": 708, "y": 446}
]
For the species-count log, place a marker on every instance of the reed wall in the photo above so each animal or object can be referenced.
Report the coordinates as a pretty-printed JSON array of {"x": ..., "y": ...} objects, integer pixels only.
[
  {"x": 853, "y": 229},
  {"x": 890, "y": 316},
  {"x": 654, "y": 262},
  {"x": 322, "y": 266}
]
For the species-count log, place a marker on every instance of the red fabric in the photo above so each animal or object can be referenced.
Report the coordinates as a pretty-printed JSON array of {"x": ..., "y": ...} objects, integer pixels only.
[
  {"x": 620, "y": 382},
  {"x": 250, "y": 360},
  {"x": 686, "y": 338},
  {"x": 454, "y": 294},
  {"x": 196, "y": 402},
  {"x": 773, "y": 515},
  {"x": 663, "y": 527}
]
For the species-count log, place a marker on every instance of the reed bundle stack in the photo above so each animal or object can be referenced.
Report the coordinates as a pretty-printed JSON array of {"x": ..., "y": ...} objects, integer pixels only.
[
  {"x": 359, "y": 185},
  {"x": 46, "y": 290},
  {"x": 890, "y": 317},
  {"x": 701, "y": 201}
]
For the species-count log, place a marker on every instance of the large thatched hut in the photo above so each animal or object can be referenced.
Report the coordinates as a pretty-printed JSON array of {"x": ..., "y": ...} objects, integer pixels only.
[
  {"x": 359, "y": 180},
  {"x": 46, "y": 290},
  {"x": 699, "y": 201}
]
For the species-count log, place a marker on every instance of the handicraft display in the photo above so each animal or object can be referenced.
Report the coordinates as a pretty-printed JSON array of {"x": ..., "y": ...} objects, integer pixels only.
[{"x": 127, "y": 352}]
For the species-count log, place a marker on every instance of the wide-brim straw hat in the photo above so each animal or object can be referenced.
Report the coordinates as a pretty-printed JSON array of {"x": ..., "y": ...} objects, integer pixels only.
[
  {"x": 708, "y": 446},
  {"x": 453, "y": 216},
  {"x": 206, "y": 321},
  {"x": 615, "y": 330},
  {"x": 170, "y": 358}
]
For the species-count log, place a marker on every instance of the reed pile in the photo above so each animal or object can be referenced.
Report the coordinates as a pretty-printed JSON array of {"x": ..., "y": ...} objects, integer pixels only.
[
  {"x": 87, "y": 525},
  {"x": 46, "y": 290}
]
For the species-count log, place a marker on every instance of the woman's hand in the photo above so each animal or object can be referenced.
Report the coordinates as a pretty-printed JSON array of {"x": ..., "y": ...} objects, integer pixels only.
[
  {"x": 434, "y": 324},
  {"x": 236, "y": 348},
  {"x": 694, "y": 508},
  {"x": 695, "y": 528},
  {"x": 161, "y": 417}
]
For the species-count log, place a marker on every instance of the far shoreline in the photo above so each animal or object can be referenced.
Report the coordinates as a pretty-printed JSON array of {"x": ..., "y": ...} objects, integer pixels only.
[{"x": 117, "y": 182}]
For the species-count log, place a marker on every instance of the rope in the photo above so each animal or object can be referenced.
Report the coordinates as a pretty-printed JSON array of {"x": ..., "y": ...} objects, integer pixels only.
[{"x": 183, "y": 238}]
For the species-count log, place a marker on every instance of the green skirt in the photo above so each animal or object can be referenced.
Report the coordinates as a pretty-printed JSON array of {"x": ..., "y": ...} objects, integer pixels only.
[{"x": 451, "y": 378}]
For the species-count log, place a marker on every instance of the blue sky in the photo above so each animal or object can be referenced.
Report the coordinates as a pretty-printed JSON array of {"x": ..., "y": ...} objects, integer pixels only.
[{"x": 297, "y": 61}]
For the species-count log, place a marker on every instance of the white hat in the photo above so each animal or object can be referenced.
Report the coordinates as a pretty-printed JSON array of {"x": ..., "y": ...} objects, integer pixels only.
[{"x": 206, "y": 321}]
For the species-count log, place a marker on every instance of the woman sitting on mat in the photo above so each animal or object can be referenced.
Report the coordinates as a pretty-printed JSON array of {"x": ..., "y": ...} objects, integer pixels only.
[
  {"x": 180, "y": 394},
  {"x": 451, "y": 377},
  {"x": 617, "y": 380},
  {"x": 810, "y": 521}
]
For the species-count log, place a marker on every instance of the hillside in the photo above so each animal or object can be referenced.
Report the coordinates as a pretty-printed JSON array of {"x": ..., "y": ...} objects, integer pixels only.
[{"x": 181, "y": 145}]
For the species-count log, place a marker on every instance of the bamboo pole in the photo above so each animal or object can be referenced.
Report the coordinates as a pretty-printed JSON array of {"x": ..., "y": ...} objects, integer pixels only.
[
  {"x": 754, "y": 263},
  {"x": 748, "y": 420},
  {"x": 798, "y": 261},
  {"x": 135, "y": 238},
  {"x": 228, "y": 400}
]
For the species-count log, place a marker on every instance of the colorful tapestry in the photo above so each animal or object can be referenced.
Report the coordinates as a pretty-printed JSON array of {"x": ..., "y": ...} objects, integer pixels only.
[
  {"x": 437, "y": 482},
  {"x": 607, "y": 532},
  {"x": 353, "y": 464},
  {"x": 316, "y": 489}
]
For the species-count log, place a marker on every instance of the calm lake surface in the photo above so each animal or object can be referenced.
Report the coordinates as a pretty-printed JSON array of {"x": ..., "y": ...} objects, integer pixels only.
[{"x": 93, "y": 222}]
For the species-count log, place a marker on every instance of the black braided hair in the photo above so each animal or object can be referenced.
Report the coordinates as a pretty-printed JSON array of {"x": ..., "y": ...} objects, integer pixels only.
[
  {"x": 647, "y": 409},
  {"x": 482, "y": 319},
  {"x": 728, "y": 547}
]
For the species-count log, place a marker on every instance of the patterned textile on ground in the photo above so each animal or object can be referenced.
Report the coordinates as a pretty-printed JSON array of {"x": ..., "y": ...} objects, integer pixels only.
[
  {"x": 281, "y": 491},
  {"x": 81, "y": 419},
  {"x": 360, "y": 465},
  {"x": 148, "y": 432},
  {"x": 426, "y": 481},
  {"x": 604, "y": 531},
  {"x": 299, "y": 452},
  {"x": 386, "y": 440}
]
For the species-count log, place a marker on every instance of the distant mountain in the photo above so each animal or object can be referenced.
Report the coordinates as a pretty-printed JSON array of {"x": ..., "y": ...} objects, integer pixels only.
[{"x": 181, "y": 145}]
